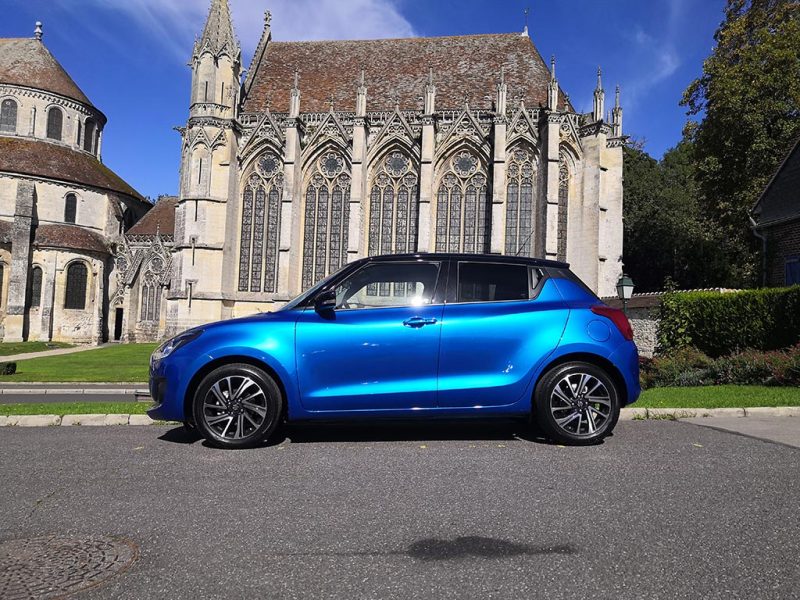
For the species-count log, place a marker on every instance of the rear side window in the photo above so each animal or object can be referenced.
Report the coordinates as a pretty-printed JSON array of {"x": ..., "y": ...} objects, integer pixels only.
[{"x": 492, "y": 282}]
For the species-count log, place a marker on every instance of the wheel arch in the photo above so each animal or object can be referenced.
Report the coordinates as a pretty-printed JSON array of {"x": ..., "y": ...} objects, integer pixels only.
[
  {"x": 194, "y": 383},
  {"x": 590, "y": 358}
]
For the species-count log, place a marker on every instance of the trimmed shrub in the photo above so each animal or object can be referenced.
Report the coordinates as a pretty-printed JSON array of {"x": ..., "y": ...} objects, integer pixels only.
[
  {"x": 718, "y": 324},
  {"x": 8, "y": 368},
  {"x": 690, "y": 367}
]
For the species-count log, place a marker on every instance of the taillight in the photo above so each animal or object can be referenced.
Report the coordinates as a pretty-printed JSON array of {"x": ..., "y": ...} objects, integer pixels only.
[{"x": 617, "y": 317}]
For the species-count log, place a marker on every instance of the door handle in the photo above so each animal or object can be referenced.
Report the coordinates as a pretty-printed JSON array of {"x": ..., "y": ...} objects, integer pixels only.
[{"x": 417, "y": 322}]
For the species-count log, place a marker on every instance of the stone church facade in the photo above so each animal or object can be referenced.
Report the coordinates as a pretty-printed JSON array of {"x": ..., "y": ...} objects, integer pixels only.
[
  {"x": 330, "y": 151},
  {"x": 62, "y": 212}
]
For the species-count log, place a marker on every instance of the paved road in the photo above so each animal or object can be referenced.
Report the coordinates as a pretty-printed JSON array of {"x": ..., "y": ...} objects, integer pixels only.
[
  {"x": 661, "y": 510},
  {"x": 781, "y": 430}
]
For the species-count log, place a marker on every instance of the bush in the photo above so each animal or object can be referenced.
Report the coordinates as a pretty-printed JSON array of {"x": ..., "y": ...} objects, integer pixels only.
[
  {"x": 8, "y": 368},
  {"x": 690, "y": 367},
  {"x": 717, "y": 323}
]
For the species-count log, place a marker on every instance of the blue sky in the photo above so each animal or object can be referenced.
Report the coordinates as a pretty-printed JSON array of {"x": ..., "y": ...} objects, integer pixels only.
[{"x": 129, "y": 56}]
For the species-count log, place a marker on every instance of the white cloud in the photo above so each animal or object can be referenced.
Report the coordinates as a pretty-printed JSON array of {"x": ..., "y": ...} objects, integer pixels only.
[{"x": 175, "y": 23}]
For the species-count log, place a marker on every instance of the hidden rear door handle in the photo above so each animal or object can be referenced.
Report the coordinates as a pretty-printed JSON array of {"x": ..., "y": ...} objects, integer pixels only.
[{"x": 417, "y": 322}]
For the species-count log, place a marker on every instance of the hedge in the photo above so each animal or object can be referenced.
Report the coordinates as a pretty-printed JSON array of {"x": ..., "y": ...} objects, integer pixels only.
[{"x": 721, "y": 323}]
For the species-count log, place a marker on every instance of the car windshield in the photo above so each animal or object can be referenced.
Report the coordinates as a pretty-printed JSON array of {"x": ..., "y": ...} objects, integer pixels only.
[{"x": 298, "y": 300}]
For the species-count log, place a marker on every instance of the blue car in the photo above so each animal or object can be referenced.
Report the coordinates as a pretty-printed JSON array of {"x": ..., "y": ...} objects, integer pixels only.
[{"x": 409, "y": 336}]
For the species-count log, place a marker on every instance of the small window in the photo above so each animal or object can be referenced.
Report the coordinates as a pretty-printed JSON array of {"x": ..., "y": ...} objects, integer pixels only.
[
  {"x": 70, "y": 208},
  {"x": 76, "y": 286},
  {"x": 36, "y": 287},
  {"x": 88, "y": 136},
  {"x": 793, "y": 270},
  {"x": 389, "y": 284},
  {"x": 55, "y": 120},
  {"x": 8, "y": 116},
  {"x": 2, "y": 270},
  {"x": 492, "y": 282}
]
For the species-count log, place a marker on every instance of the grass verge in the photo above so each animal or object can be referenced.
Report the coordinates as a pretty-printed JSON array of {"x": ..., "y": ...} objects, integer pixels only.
[
  {"x": 113, "y": 364},
  {"x": 75, "y": 408},
  {"x": 9, "y": 348},
  {"x": 718, "y": 396}
]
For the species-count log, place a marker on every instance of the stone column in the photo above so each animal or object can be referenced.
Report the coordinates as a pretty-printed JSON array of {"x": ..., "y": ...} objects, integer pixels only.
[
  {"x": 426, "y": 240},
  {"x": 355, "y": 245},
  {"x": 583, "y": 235},
  {"x": 16, "y": 329},
  {"x": 48, "y": 298},
  {"x": 550, "y": 149},
  {"x": 498, "y": 185}
]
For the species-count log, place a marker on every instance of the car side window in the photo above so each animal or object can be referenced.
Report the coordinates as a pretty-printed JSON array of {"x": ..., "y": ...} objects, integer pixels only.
[
  {"x": 389, "y": 284},
  {"x": 492, "y": 282}
]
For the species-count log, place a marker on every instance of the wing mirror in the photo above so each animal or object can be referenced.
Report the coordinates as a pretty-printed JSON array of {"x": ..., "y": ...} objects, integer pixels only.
[{"x": 325, "y": 300}]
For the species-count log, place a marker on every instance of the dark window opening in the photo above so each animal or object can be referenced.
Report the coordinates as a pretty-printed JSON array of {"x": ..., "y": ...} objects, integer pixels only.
[
  {"x": 77, "y": 274},
  {"x": 8, "y": 116},
  {"x": 88, "y": 136},
  {"x": 36, "y": 287},
  {"x": 55, "y": 121},
  {"x": 70, "y": 208},
  {"x": 492, "y": 282}
]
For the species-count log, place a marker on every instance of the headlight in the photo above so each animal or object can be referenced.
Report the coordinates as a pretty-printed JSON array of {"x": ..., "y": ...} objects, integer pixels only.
[{"x": 173, "y": 344}]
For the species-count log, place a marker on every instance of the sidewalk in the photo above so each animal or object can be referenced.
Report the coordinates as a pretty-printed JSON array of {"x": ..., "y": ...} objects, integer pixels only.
[{"x": 56, "y": 352}]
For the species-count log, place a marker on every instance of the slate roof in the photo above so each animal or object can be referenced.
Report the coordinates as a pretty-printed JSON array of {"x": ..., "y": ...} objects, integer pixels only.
[
  {"x": 159, "y": 219},
  {"x": 56, "y": 235},
  {"x": 52, "y": 161},
  {"x": 780, "y": 200},
  {"x": 27, "y": 62},
  {"x": 398, "y": 69}
]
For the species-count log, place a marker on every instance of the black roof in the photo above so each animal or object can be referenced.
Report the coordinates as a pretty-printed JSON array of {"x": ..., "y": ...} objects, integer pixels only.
[{"x": 523, "y": 260}]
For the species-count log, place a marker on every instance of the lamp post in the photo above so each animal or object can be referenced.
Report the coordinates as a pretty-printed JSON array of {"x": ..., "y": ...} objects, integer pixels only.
[{"x": 624, "y": 291}]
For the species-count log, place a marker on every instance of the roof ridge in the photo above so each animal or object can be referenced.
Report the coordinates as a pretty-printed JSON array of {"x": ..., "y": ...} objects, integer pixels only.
[{"x": 407, "y": 38}]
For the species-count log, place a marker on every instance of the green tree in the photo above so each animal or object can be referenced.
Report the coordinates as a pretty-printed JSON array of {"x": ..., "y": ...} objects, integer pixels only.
[{"x": 749, "y": 100}]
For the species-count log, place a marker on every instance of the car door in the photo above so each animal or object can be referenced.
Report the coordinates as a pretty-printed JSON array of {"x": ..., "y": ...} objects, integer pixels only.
[
  {"x": 378, "y": 348},
  {"x": 502, "y": 321}
]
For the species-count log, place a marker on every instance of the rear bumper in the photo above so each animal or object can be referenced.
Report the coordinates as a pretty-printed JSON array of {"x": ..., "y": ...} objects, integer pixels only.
[{"x": 626, "y": 359}]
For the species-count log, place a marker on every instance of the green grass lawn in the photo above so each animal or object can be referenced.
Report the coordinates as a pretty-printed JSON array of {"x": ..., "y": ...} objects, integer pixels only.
[
  {"x": 76, "y": 408},
  {"x": 9, "y": 348},
  {"x": 719, "y": 396},
  {"x": 120, "y": 363}
]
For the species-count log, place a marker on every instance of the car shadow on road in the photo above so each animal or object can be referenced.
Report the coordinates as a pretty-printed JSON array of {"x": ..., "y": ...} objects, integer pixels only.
[{"x": 385, "y": 431}]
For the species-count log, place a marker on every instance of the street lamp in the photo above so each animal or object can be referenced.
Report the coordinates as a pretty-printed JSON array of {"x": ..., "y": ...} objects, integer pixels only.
[{"x": 624, "y": 291}]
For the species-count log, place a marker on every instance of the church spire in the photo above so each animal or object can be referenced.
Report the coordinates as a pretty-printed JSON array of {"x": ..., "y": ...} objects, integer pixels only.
[
  {"x": 599, "y": 97},
  {"x": 218, "y": 36}
]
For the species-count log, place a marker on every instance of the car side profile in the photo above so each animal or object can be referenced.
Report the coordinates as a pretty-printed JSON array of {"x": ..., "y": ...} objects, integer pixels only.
[{"x": 417, "y": 336}]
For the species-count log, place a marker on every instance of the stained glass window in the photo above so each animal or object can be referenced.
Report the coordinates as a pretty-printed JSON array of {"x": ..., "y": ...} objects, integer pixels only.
[
  {"x": 36, "y": 287},
  {"x": 8, "y": 116},
  {"x": 151, "y": 298},
  {"x": 260, "y": 230},
  {"x": 70, "y": 208},
  {"x": 75, "y": 296},
  {"x": 326, "y": 218},
  {"x": 563, "y": 206},
  {"x": 55, "y": 119},
  {"x": 462, "y": 221},
  {"x": 520, "y": 175}
]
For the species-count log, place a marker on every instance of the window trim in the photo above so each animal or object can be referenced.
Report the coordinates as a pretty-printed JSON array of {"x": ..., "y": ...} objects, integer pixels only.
[
  {"x": 437, "y": 298},
  {"x": 533, "y": 290}
]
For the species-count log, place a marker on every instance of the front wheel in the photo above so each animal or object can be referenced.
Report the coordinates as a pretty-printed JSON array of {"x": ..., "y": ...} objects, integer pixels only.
[
  {"x": 237, "y": 406},
  {"x": 576, "y": 403}
]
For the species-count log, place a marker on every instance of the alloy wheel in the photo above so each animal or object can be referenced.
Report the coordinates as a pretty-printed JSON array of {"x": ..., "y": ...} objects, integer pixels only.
[
  {"x": 581, "y": 404},
  {"x": 235, "y": 407}
]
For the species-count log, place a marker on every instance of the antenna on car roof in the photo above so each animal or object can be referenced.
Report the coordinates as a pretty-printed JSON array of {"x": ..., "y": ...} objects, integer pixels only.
[{"x": 525, "y": 243}]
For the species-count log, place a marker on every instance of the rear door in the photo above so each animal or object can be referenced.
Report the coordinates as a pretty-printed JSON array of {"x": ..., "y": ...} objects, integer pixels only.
[{"x": 501, "y": 321}]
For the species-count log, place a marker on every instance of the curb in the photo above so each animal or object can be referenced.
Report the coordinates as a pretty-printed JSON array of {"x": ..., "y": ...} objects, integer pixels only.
[
  {"x": 636, "y": 414},
  {"x": 626, "y": 414}
]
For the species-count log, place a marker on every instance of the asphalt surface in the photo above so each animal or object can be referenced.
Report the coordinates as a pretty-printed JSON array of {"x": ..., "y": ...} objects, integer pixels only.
[{"x": 660, "y": 510}]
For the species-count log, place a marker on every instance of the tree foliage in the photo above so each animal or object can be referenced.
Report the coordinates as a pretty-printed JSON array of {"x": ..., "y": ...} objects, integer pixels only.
[{"x": 749, "y": 99}]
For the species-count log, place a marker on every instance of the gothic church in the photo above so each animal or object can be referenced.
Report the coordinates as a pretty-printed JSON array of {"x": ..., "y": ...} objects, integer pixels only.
[{"x": 330, "y": 151}]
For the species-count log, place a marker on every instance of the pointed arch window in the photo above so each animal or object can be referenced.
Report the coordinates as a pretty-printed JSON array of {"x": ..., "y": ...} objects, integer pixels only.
[
  {"x": 36, "y": 287},
  {"x": 151, "y": 299},
  {"x": 75, "y": 296},
  {"x": 260, "y": 230},
  {"x": 55, "y": 121},
  {"x": 327, "y": 215},
  {"x": 70, "y": 208},
  {"x": 8, "y": 116},
  {"x": 88, "y": 135},
  {"x": 520, "y": 204},
  {"x": 462, "y": 205},
  {"x": 393, "y": 207},
  {"x": 563, "y": 205}
]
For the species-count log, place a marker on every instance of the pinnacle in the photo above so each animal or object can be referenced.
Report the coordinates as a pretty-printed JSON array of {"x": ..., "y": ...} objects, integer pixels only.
[{"x": 218, "y": 35}]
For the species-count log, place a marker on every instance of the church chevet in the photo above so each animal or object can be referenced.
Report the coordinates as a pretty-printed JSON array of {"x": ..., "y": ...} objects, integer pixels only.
[{"x": 323, "y": 153}]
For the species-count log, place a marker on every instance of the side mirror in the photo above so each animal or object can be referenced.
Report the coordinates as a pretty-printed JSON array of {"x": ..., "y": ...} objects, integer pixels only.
[{"x": 325, "y": 300}]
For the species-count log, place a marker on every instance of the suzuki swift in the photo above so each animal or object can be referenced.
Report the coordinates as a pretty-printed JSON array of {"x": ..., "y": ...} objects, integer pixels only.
[{"x": 418, "y": 336}]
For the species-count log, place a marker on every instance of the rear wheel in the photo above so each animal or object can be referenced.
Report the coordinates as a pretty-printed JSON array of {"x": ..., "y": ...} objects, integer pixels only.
[
  {"x": 237, "y": 406},
  {"x": 577, "y": 403}
]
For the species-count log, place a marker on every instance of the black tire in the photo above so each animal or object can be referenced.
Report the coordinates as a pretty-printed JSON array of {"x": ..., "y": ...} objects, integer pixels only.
[
  {"x": 568, "y": 414},
  {"x": 237, "y": 406}
]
